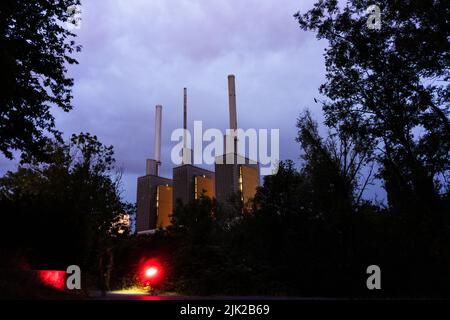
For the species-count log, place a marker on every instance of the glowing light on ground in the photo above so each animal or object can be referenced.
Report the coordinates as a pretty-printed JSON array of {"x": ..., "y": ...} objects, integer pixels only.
[{"x": 131, "y": 291}]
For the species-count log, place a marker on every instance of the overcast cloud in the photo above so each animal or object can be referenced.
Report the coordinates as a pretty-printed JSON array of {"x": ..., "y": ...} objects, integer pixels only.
[{"x": 139, "y": 53}]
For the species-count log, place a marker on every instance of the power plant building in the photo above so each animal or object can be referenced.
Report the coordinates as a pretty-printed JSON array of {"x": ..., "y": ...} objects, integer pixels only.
[
  {"x": 190, "y": 181},
  {"x": 154, "y": 193},
  {"x": 234, "y": 174},
  {"x": 154, "y": 202},
  {"x": 240, "y": 177}
]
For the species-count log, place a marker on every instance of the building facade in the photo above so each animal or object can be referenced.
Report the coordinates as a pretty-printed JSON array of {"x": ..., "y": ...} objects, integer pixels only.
[
  {"x": 236, "y": 174},
  {"x": 152, "y": 201},
  {"x": 189, "y": 182}
]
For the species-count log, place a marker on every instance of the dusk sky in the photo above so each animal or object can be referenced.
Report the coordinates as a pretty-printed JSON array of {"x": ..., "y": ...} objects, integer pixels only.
[{"x": 139, "y": 53}]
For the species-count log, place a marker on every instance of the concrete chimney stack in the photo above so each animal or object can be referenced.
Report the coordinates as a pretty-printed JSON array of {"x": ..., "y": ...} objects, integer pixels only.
[
  {"x": 185, "y": 119},
  {"x": 232, "y": 101},
  {"x": 186, "y": 152},
  {"x": 158, "y": 119},
  {"x": 152, "y": 165}
]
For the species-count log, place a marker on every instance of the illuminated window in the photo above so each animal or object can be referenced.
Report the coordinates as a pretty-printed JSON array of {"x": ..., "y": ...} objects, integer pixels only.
[
  {"x": 157, "y": 200},
  {"x": 241, "y": 183},
  {"x": 195, "y": 187}
]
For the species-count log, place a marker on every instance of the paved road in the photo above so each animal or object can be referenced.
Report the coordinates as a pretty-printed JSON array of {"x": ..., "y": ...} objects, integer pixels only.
[{"x": 142, "y": 296}]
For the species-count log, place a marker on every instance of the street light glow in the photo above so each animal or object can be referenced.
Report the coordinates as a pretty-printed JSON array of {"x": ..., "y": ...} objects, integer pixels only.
[{"x": 151, "y": 272}]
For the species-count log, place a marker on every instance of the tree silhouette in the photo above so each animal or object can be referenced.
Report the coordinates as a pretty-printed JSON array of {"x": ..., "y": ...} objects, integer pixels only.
[
  {"x": 390, "y": 87},
  {"x": 36, "y": 48},
  {"x": 66, "y": 208}
]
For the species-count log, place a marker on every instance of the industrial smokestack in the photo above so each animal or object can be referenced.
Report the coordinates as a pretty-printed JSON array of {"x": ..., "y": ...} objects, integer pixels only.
[
  {"x": 186, "y": 152},
  {"x": 185, "y": 119},
  {"x": 152, "y": 165},
  {"x": 232, "y": 101},
  {"x": 158, "y": 118}
]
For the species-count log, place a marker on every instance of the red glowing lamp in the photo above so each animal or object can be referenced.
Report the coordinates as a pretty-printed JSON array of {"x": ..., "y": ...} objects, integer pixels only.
[{"x": 150, "y": 272}]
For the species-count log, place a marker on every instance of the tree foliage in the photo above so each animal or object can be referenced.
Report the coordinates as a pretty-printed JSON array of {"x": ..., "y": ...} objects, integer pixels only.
[
  {"x": 390, "y": 87},
  {"x": 62, "y": 211},
  {"x": 35, "y": 50}
]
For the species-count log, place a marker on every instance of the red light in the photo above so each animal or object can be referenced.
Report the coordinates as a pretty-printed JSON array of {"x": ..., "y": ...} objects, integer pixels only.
[
  {"x": 53, "y": 278},
  {"x": 150, "y": 272}
]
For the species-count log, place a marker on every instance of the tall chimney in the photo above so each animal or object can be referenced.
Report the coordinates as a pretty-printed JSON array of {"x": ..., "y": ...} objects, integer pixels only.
[
  {"x": 158, "y": 118},
  {"x": 185, "y": 119},
  {"x": 152, "y": 165},
  {"x": 232, "y": 101},
  {"x": 186, "y": 153}
]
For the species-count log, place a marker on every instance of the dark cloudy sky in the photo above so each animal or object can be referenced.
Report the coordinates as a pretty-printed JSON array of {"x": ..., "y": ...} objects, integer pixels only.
[{"x": 139, "y": 53}]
